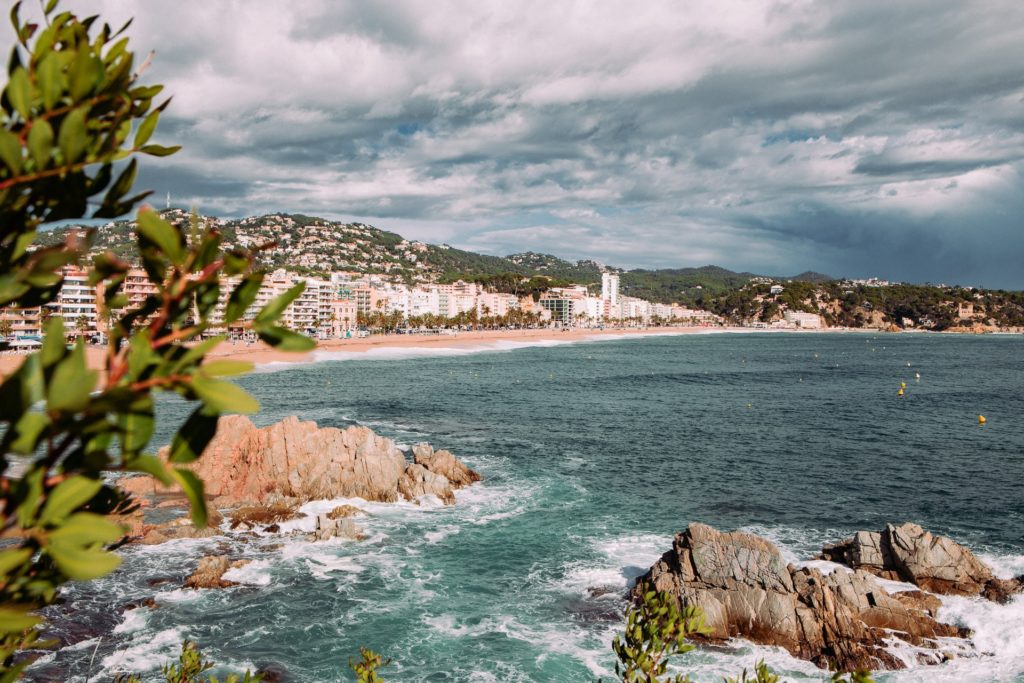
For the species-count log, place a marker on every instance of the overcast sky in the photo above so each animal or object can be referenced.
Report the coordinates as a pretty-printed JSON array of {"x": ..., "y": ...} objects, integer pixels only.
[{"x": 857, "y": 138}]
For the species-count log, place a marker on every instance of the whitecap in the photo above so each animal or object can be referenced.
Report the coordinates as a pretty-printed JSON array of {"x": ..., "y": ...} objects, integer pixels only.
[
  {"x": 147, "y": 652},
  {"x": 255, "y": 573}
]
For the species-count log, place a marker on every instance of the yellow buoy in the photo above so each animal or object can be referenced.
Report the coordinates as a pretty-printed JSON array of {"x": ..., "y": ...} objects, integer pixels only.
[
  {"x": 981, "y": 419},
  {"x": 903, "y": 385},
  {"x": 900, "y": 392}
]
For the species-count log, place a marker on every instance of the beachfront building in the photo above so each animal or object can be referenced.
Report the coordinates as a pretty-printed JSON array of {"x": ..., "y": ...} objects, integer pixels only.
[
  {"x": 610, "y": 289},
  {"x": 75, "y": 303},
  {"x": 334, "y": 306},
  {"x": 20, "y": 323},
  {"x": 561, "y": 309},
  {"x": 495, "y": 303},
  {"x": 803, "y": 320}
]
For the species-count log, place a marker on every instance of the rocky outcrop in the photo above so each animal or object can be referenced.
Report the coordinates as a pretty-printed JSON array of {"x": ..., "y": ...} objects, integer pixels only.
[
  {"x": 445, "y": 464},
  {"x": 934, "y": 563},
  {"x": 210, "y": 571},
  {"x": 417, "y": 481},
  {"x": 746, "y": 589},
  {"x": 298, "y": 461},
  {"x": 253, "y": 516}
]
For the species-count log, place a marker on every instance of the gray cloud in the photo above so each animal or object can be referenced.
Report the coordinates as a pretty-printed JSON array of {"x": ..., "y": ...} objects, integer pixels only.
[{"x": 859, "y": 138}]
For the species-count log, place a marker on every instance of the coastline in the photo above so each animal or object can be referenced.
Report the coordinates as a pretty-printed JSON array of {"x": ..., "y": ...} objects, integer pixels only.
[{"x": 262, "y": 355}]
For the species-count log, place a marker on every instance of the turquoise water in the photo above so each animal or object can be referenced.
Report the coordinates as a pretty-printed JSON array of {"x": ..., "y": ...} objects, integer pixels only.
[{"x": 595, "y": 454}]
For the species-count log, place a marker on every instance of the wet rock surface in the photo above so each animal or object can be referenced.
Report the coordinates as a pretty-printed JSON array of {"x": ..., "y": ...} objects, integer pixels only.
[{"x": 841, "y": 619}]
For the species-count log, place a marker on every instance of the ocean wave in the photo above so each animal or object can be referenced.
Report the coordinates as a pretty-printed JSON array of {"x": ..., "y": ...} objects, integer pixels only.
[{"x": 146, "y": 652}]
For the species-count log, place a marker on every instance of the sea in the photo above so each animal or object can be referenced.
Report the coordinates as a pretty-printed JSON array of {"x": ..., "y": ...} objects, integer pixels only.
[{"x": 594, "y": 454}]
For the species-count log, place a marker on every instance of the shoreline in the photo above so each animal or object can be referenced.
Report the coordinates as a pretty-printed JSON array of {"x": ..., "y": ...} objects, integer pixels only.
[{"x": 262, "y": 355}]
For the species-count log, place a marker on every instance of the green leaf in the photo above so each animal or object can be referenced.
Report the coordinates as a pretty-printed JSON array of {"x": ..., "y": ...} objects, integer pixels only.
[
  {"x": 242, "y": 297},
  {"x": 193, "y": 488},
  {"x": 72, "y": 136},
  {"x": 194, "y": 436},
  {"x": 30, "y": 491},
  {"x": 48, "y": 77},
  {"x": 10, "y": 151},
  {"x": 28, "y": 429},
  {"x": 197, "y": 351},
  {"x": 273, "y": 310},
  {"x": 159, "y": 150},
  {"x": 72, "y": 382},
  {"x": 54, "y": 345},
  {"x": 224, "y": 397},
  {"x": 19, "y": 92},
  {"x": 140, "y": 354},
  {"x": 69, "y": 495},
  {"x": 284, "y": 339},
  {"x": 146, "y": 128},
  {"x": 152, "y": 466},
  {"x": 40, "y": 143},
  {"x": 14, "y": 620},
  {"x": 87, "y": 528},
  {"x": 226, "y": 368},
  {"x": 83, "y": 564},
  {"x": 11, "y": 559},
  {"x": 84, "y": 73},
  {"x": 162, "y": 234},
  {"x": 137, "y": 423}
]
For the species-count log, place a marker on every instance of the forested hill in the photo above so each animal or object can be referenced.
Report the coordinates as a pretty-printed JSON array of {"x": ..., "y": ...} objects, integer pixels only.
[{"x": 316, "y": 246}]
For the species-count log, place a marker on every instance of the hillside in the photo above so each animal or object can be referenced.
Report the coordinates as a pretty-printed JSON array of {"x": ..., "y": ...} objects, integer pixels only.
[{"x": 315, "y": 246}]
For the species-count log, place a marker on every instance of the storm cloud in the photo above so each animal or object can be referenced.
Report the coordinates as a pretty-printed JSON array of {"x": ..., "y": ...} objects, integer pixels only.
[{"x": 859, "y": 138}]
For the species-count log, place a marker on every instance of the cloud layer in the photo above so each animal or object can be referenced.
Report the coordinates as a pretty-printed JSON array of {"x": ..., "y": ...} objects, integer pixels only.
[{"x": 858, "y": 138}]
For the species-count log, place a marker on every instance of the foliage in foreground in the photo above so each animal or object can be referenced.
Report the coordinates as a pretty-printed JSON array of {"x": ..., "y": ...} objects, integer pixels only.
[
  {"x": 190, "y": 668},
  {"x": 69, "y": 107},
  {"x": 658, "y": 628}
]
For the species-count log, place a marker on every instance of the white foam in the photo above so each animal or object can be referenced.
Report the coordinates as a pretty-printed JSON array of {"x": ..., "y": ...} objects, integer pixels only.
[
  {"x": 441, "y": 533},
  {"x": 255, "y": 573},
  {"x": 134, "y": 620},
  {"x": 1004, "y": 566},
  {"x": 146, "y": 653}
]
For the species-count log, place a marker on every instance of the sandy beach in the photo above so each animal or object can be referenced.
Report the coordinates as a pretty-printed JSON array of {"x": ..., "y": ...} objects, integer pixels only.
[{"x": 261, "y": 354}]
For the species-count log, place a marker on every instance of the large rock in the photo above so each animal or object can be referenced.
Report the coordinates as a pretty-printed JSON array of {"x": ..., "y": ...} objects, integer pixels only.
[
  {"x": 418, "y": 481},
  {"x": 444, "y": 463},
  {"x": 934, "y": 563},
  {"x": 297, "y": 461},
  {"x": 745, "y": 588}
]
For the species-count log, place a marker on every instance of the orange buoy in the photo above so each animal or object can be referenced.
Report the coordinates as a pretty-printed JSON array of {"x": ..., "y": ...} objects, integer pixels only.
[{"x": 981, "y": 419}]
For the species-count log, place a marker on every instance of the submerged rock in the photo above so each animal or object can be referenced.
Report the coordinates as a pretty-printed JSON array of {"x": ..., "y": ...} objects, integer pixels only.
[
  {"x": 934, "y": 563},
  {"x": 298, "y": 461},
  {"x": 343, "y": 511},
  {"x": 327, "y": 528},
  {"x": 745, "y": 588}
]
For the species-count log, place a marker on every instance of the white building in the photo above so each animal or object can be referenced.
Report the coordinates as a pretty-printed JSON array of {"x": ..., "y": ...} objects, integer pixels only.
[
  {"x": 610, "y": 288},
  {"x": 808, "y": 321}
]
